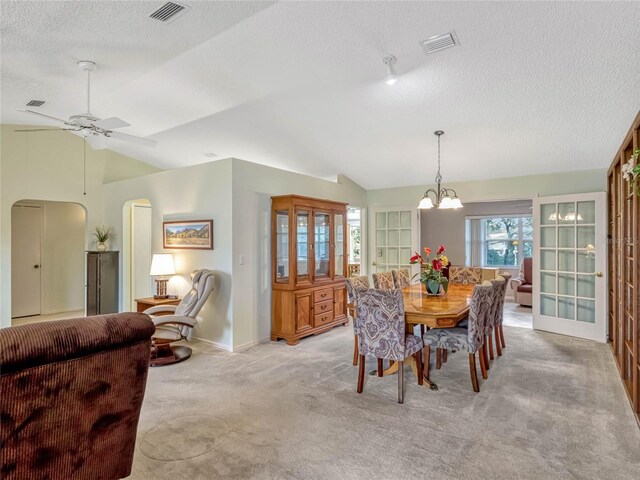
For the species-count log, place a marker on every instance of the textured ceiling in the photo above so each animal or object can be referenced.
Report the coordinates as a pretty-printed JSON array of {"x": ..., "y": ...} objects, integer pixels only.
[{"x": 534, "y": 87}]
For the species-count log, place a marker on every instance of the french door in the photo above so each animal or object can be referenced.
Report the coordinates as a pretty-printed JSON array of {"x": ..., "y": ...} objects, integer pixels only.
[
  {"x": 569, "y": 265},
  {"x": 394, "y": 238}
]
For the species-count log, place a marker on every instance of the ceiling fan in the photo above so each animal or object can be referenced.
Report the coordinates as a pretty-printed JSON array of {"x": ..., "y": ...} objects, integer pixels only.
[{"x": 89, "y": 126}]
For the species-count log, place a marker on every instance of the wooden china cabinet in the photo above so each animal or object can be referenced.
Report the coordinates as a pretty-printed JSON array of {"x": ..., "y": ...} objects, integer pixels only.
[{"x": 308, "y": 267}]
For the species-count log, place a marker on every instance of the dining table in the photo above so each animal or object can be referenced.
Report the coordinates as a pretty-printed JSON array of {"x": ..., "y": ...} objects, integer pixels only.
[{"x": 432, "y": 311}]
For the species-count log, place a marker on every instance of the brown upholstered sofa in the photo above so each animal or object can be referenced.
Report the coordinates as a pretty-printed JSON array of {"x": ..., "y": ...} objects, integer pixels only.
[
  {"x": 70, "y": 396},
  {"x": 523, "y": 285}
]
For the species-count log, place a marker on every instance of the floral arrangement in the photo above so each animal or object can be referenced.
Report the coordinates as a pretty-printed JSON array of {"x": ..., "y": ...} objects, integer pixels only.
[
  {"x": 631, "y": 169},
  {"x": 431, "y": 274}
]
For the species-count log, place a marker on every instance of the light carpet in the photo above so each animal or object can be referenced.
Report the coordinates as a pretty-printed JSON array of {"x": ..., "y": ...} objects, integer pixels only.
[{"x": 552, "y": 408}]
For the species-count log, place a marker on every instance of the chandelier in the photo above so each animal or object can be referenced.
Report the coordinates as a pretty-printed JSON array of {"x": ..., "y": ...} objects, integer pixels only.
[{"x": 443, "y": 198}]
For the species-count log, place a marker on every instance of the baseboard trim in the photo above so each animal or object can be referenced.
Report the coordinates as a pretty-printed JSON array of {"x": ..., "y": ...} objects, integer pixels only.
[
  {"x": 218, "y": 345},
  {"x": 247, "y": 346},
  {"x": 63, "y": 310}
]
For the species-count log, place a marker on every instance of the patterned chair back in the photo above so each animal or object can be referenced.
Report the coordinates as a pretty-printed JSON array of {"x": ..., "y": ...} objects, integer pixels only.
[
  {"x": 401, "y": 278},
  {"x": 361, "y": 281},
  {"x": 479, "y": 314},
  {"x": 383, "y": 281},
  {"x": 499, "y": 286},
  {"x": 500, "y": 316},
  {"x": 381, "y": 320},
  {"x": 465, "y": 275}
]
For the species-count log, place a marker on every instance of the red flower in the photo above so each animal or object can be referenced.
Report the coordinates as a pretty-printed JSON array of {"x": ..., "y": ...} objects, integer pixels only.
[
  {"x": 437, "y": 265},
  {"x": 440, "y": 250},
  {"x": 416, "y": 258},
  {"x": 427, "y": 250}
]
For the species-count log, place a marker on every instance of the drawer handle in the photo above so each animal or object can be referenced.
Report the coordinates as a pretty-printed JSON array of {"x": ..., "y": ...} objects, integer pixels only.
[
  {"x": 323, "y": 295},
  {"x": 323, "y": 307}
]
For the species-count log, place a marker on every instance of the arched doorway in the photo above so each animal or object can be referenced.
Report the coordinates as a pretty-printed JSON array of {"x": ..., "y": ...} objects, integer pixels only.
[{"x": 47, "y": 261}]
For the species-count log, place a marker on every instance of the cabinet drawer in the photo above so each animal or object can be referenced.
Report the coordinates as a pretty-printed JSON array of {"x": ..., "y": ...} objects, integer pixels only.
[
  {"x": 323, "y": 307},
  {"x": 323, "y": 295},
  {"x": 323, "y": 318}
]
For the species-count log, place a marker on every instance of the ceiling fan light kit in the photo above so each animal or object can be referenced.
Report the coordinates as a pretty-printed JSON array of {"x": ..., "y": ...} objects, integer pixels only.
[{"x": 88, "y": 125}]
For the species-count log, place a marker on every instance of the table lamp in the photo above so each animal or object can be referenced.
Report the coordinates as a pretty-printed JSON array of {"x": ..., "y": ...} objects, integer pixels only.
[{"x": 161, "y": 265}]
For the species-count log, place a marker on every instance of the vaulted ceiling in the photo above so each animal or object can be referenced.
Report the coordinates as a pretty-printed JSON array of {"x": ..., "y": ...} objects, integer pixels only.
[{"x": 533, "y": 87}]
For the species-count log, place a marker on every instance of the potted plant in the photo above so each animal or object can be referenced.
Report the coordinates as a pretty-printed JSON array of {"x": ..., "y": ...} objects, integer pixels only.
[
  {"x": 431, "y": 270},
  {"x": 102, "y": 236}
]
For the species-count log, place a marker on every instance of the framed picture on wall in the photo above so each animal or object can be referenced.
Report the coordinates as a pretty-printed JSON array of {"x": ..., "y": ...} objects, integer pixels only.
[{"x": 189, "y": 234}]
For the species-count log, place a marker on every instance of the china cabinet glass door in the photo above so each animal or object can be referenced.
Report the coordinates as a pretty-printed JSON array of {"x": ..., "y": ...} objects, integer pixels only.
[
  {"x": 322, "y": 244},
  {"x": 338, "y": 227},
  {"x": 569, "y": 263},
  {"x": 302, "y": 241},
  {"x": 282, "y": 246}
]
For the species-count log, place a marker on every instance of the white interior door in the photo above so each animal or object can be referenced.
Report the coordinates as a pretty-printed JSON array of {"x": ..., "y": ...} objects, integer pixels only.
[
  {"x": 569, "y": 265},
  {"x": 141, "y": 281},
  {"x": 393, "y": 235},
  {"x": 26, "y": 239}
]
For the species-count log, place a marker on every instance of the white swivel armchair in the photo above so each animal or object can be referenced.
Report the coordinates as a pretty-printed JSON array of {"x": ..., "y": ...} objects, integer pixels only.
[{"x": 175, "y": 322}]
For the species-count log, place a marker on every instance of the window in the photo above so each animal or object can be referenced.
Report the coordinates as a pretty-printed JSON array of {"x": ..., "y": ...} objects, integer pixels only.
[{"x": 503, "y": 241}]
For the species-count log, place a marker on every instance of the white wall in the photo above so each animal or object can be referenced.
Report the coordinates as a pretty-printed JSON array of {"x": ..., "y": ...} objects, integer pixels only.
[
  {"x": 200, "y": 192},
  {"x": 253, "y": 186},
  {"x": 511, "y": 188},
  {"x": 63, "y": 263},
  {"x": 48, "y": 166}
]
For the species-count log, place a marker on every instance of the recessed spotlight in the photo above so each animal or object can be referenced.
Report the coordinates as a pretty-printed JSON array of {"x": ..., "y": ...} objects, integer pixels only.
[
  {"x": 210, "y": 155},
  {"x": 391, "y": 77}
]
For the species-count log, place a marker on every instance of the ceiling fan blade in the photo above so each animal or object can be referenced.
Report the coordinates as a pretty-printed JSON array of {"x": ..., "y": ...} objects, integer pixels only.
[
  {"x": 111, "y": 123},
  {"x": 133, "y": 139},
  {"x": 42, "y": 129},
  {"x": 45, "y": 116}
]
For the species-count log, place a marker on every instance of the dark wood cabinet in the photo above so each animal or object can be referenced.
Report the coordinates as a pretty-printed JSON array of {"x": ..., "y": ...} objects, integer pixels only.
[
  {"x": 624, "y": 269},
  {"x": 309, "y": 263},
  {"x": 102, "y": 282}
]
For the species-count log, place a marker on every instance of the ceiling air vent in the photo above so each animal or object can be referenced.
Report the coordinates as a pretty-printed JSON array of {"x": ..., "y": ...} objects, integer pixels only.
[
  {"x": 439, "y": 42},
  {"x": 168, "y": 12},
  {"x": 35, "y": 103}
]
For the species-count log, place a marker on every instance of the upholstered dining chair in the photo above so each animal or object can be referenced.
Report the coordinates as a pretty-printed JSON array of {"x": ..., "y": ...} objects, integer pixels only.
[
  {"x": 499, "y": 332},
  {"x": 465, "y": 275},
  {"x": 401, "y": 278},
  {"x": 382, "y": 334},
  {"x": 499, "y": 286},
  {"x": 471, "y": 338},
  {"x": 383, "y": 281},
  {"x": 175, "y": 322},
  {"x": 361, "y": 281}
]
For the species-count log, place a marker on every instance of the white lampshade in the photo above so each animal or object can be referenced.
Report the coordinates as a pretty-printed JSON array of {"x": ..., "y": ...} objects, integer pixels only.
[
  {"x": 162, "y": 264},
  {"x": 456, "y": 203},
  {"x": 446, "y": 203},
  {"x": 426, "y": 202}
]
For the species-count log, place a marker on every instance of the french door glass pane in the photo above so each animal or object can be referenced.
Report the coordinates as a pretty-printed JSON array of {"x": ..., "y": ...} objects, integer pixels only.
[
  {"x": 566, "y": 308},
  {"x": 566, "y": 237},
  {"x": 586, "y": 237},
  {"x": 566, "y": 284},
  {"x": 381, "y": 220},
  {"x": 547, "y": 260},
  {"x": 393, "y": 238},
  {"x": 566, "y": 261},
  {"x": 548, "y": 214},
  {"x": 321, "y": 244},
  {"x": 586, "y": 262},
  {"x": 586, "y": 212},
  {"x": 393, "y": 220},
  {"x": 548, "y": 305},
  {"x": 405, "y": 221},
  {"x": 567, "y": 212},
  {"x": 392, "y": 256},
  {"x": 405, "y": 238},
  {"x": 548, "y": 237},
  {"x": 586, "y": 310},
  {"x": 381, "y": 238},
  {"x": 338, "y": 220},
  {"x": 548, "y": 282},
  {"x": 587, "y": 286}
]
